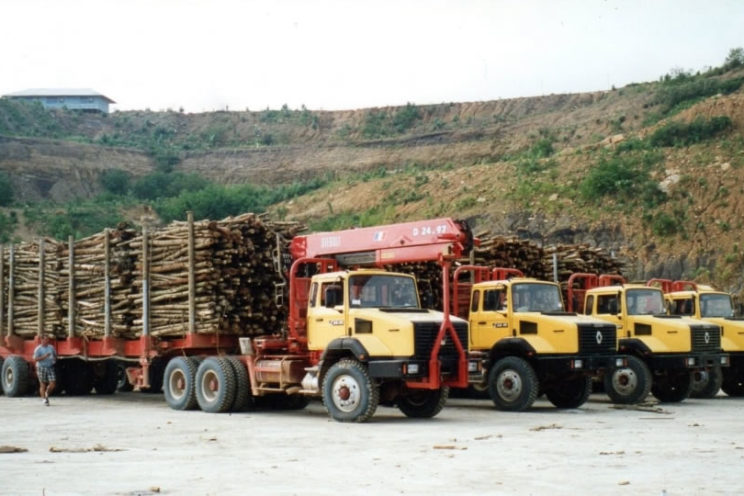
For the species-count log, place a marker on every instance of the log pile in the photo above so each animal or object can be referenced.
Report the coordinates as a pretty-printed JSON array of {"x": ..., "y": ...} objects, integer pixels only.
[
  {"x": 236, "y": 282},
  {"x": 90, "y": 283},
  {"x": 235, "y": 277},
  {"x": 512, "y": 252},
  {"x": 580, "y": 258},
  {"x": 27, "y": 279}
]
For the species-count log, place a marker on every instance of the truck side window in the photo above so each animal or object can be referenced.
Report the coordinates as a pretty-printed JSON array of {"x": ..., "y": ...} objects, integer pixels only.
[
  {"x": 332, "y": 295},
  {"x": 589, "y": 305},
  {"x": 607, "y": 304},
  {"x": 474, "y": 302},
  {"x": 682, "y": 307},
  {"x": 493, "y": 300},
  {"x": 313, "y": 294}
]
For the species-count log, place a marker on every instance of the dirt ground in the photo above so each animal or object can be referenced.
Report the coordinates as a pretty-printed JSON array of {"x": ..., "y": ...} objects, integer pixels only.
[{"x": 133, "y": 444}]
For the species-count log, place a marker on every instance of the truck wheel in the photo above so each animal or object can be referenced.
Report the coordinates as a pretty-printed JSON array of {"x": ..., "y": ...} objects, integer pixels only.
[
  {"x": 424, "y": 403},
  {"x": 16, "y": 377},
  {"x": 672, "y": 386},
  {"x": 178, "y": 383},
  {"x": 76, "y": 376},
  {"x": 215, "y": 385},
  {"x": 349, "y": 394},
  {"x": 243, "y": 394},
  {"x": 122, "y": 381},
  {"x": 733, "y": 382},
  {"x": 628, "y": 385},
  {"x": 571, "y": 392},
  {"x": 512, "y": 384},
  {"x": 105, "y": 376},
  {"x": 706, "y": 383}
]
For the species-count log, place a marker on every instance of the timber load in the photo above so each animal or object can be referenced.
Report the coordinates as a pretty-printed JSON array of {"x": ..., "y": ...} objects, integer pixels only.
[
  {"x": 512, "y": 252},
  {"x": 212, "y": 277}
]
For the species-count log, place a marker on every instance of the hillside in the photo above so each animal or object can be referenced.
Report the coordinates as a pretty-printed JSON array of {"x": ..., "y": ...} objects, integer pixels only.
[{"x": 653, "y": 171}]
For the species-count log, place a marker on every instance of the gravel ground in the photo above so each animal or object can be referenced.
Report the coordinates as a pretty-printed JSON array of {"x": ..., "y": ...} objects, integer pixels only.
[{"x": 133, "y": 444}]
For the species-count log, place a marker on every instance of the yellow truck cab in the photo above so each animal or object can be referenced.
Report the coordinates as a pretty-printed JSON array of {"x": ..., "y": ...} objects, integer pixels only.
[
  {"x": 522, "y": 343},
  {"x": 671, "y": 347},
  {"x": 716, "y": 307},
  {"x": 373, "y": 342}
]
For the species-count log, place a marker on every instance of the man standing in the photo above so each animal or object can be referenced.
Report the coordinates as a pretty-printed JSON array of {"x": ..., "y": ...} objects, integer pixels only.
[{"x": 45, "y": 357}]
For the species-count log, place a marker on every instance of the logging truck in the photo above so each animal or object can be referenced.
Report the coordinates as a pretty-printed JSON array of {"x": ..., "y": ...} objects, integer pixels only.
[
  {"x": 523, "y": 343},
  {"x": 670, "y": 348},
  {"x": 355, "y": 335},
  {"x": 698, "y": 301}
]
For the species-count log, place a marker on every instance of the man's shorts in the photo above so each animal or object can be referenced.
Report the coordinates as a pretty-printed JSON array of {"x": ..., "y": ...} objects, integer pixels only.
[{"x": 46, "y": 374}]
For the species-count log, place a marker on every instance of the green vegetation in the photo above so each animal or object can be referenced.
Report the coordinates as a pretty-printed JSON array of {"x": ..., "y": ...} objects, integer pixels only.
[
  {"x": 6, "y": 190},
  {"x": 380, "y": 124},
  {"x": 683, "y": 89},
  {"x": 625, "y": 178},
  {"x": 78, "y": 219},
  {"x": 681, "y": 134},
  {"x": 7, "y": 226},
  {"x": 344, "y": 220}
]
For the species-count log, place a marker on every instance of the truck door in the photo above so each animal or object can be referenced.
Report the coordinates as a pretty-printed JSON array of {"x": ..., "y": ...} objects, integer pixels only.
[
  {"x": 326, "y": 317},
  {"x": 488, "y": 317}
]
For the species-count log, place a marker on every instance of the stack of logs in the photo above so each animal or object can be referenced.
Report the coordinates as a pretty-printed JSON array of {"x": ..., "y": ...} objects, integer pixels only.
[
  {"x": 89, "y": 269},
  {"x": 237, "y": 287},
  {"x": 36, "y": 277},
  {"x": 511, "y": 252}
]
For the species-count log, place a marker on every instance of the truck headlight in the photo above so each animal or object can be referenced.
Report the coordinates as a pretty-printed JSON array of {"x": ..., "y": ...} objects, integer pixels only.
[
  {"x": 577, "y": 364},
  {"x": 413, "y": 368},
  {"x": 725, "y": 360},
  {"x": 472, "y": 366},
  {"x": 691, "y": 362}
]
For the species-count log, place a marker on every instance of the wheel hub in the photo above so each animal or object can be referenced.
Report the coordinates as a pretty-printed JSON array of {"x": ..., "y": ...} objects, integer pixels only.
[
  {"x": 509, "y": 385},
  {"x": 624, "y": 381},
  {"x": 346, "y": 393}
]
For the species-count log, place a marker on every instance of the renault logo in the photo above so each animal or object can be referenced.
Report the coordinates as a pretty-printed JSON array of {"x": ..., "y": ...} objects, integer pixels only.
[
  {"x": 707, "y": 337},
  {"x": 599, "y": 337}
]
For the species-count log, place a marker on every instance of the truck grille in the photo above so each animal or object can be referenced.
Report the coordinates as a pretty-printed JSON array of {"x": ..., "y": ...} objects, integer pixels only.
[
  {"x": 705, "y": 338},
  {"x": 597, "y": 339},
  {"x": 426, "y": 333}
]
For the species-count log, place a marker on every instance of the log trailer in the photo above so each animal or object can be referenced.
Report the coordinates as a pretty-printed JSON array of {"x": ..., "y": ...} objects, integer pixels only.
[
  {"x": 523, "y": 343},
  {"x": 357, "y": 337},
  {"x": 698, "y": 301},
  {"x": 671, "y": 348}
]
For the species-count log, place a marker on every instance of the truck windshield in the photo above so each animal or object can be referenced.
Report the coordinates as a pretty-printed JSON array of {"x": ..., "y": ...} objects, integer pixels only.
[
  {"x": 644, "y": 301},
  {"x": 716, "y": 305},
  {"x": 536, "y": 297},
  {"x": 392, "y": 291}
]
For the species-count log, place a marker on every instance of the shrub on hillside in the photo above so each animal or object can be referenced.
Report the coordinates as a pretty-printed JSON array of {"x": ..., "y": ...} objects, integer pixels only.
[
  {"x": 6, "y": 190},
  {"x": 681, "y": 134},
  {"x": 115, "y": 181}
]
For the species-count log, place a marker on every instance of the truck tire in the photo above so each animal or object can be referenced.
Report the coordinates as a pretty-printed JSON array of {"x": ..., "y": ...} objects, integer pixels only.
[
  {"x": 76, "y": 376},
  {"x": 1, "y": 382},
  {"x": 16, "y": 378},
  {"x": 215, "y": 385},
  {"x": 243, "y": 395},
  {"x": 628, "y": 385},
  {"x": 122, "y": 380},
  {"x": 178, "y": 383},
  {"x": 512, "y": 384},
  {"x": 349, "y": 394},
  {"x": 706, "y": 383},
  {"x": 424, "y": 403},
  {"x": 671, "y": 386},
  {"x": 106, "y": 378},
  {"x": 571, "y": 392},
  {"x": 733, "y": 382}
]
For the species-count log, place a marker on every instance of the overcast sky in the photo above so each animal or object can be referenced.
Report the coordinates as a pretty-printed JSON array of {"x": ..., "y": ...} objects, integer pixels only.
[{"x": 204, "y": 55}]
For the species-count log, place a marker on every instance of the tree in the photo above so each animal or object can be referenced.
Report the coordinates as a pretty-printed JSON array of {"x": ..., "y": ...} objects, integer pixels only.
[
  {"x": 115, "y": 181},
  {"x": 735, "y": 58},
  {"x": 6, "y": 190}
]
